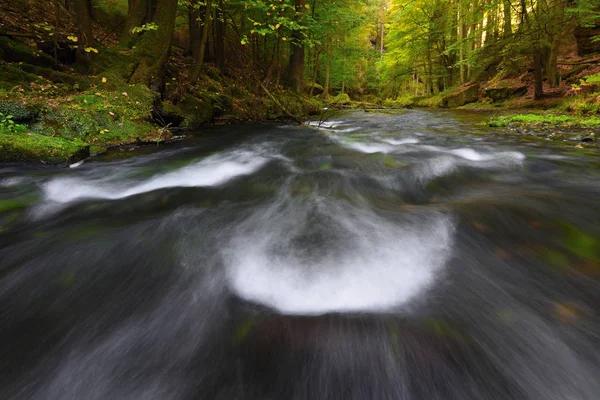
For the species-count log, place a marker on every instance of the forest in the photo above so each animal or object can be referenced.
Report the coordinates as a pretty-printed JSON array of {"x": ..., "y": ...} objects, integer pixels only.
[
  {"x": 82, "y": 76},
  {"x": 299, "y": 199}
]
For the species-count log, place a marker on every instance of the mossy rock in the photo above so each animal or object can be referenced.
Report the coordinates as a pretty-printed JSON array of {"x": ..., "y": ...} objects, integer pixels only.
[
  {"x": 313, "y": 106},
  {"x": 505, "y": 93},
  {"x": 316, "y": 89},
  {"x": 113, "y": 63},
  {"x": 75, "y": 81},
  {"x": 461, "y": 97},
  {"x": 196, "y": 110},
  {"x": 341, "y": 99},
  {"x": 28, "y": 147},
  {"x": 16, "y": 51},
  {"x": 169, "y": 114},
  {"x": 11, "y": 77},
  {"x": 22, "y": 113}
]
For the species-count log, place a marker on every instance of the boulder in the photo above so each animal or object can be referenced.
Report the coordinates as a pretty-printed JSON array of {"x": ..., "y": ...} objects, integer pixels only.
[
  {"x": 504, "y": 93},
  {"x": 316, "y": 90},
  {"x": 585, "y": 40},
  {"x": 461, "y": 97}
]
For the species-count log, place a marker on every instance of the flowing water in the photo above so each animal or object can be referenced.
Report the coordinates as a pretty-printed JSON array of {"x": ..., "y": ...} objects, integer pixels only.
[{"x": 410, "y": 255}]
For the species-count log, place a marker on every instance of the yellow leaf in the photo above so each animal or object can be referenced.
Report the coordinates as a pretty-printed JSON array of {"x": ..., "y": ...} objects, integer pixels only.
[{"x": 104, "y": 80}]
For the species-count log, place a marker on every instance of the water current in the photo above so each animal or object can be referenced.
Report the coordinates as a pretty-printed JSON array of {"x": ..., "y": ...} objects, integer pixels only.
[{"x": 405, "y": 255}]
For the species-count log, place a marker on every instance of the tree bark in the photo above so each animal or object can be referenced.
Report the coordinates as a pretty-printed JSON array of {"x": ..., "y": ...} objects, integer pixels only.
[
  {"x": 507, "y": 18},
  {"x": 140, "y": 12},
  {"x": 154, "y": 47},
  {"x": 199, "y": 61},
  {"x": 219, "y": 45},
  {"x": 83, "y": 18},
  {"x": 538, "y": 73},
  {"x": 195, "y": 29},
  {"x": 296, "y": 67}
]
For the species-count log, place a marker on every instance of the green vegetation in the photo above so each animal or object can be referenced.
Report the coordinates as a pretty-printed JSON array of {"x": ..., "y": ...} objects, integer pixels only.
[
  {"x": 28, "y": 147},
  {"x": 111, "y": 72},
  {"x": 546, "y": 120}
]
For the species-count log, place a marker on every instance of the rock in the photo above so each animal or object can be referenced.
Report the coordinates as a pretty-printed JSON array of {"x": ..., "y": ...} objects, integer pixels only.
[
  {"x": 461, "y": 97},
  {"x": 316, "y": 90},
  {"x": 341, "y": 99},
  {"x": 588, "y": 140},
  {"x": 15, "y": 51},
  {"x": 504, "y": 93},
  {"x": 197, "y": 111},
  {"x": 585, "y": 40},
  {"x": 168, "y": 115}
]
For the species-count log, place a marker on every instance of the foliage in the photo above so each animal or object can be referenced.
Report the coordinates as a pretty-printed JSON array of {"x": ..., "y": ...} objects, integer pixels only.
[{"x": 8, "y": 125}]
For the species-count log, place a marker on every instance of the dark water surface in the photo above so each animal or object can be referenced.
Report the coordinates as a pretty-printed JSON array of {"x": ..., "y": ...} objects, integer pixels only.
[{"x": 381, "y": 256}]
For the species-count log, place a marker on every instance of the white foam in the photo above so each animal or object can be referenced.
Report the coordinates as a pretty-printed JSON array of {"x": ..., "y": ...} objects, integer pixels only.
[
  {"x": 14, "y": 181},
  {"x": 368, "y": 148},
  {"x": 367, "y": 263},
  {"x": 211, "y": 171},
  {"x": 398, "y": 142}
]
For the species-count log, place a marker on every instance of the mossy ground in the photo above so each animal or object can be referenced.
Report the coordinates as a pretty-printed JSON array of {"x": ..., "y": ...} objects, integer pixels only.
[
  {"x": 30, "y": 147},
  {"x": 546, "y": 120}
]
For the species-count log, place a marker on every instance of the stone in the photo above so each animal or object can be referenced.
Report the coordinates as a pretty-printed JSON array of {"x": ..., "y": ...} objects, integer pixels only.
[
  {"x": 316, "y": 90},
  {"x": 585, "y": 40},
  {"x": 461, "y": 97},
  {"x": 504, "y": 93}
]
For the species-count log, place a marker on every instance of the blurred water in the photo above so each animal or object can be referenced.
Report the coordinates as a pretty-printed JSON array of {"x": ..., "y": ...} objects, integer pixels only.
[{"x": 408, "y": 255}]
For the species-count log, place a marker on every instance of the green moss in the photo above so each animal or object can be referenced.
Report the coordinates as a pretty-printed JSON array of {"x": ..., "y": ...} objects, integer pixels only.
[
  {"x": 196, "y": 110},
  {"x": 17, "y": 51},
  {"x": 341, "y": 99},
  {"x": 12, "y": 77},
  {"x": 545, "y": 120},
  {"x": 399, "y": 102},
  {"x": 27, "y": 147}
]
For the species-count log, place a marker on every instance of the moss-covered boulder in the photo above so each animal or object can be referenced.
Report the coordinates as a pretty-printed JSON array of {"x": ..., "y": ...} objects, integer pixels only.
[
  {"x": 341, "y": 99},
  {"x": 196, "y": 111},
  {"x": 29, "y": 147},
  {"x": 504, "y": 93},
  {"x": 316, "y": 89},
  {"x": 17, "y": 51},
  {"x": 461, "y": 96}
]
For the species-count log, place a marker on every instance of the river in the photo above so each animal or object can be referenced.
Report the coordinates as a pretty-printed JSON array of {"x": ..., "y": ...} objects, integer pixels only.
[{"x": 405, "y": 255}]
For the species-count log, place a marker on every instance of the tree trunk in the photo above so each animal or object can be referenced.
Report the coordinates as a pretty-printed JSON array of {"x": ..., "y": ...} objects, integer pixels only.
[
  {"x": 539, "y": 74},
  {"x": 154, "y": 47},
  {"x": 195, "y": 29},
  {"x": 220, "y": 37},
  {"x": 140, "y": 12},
  {"x": 551, "y": 63},
  {"x": 199, "y": 61},
  {"x": 84, "y": 24},
  {"x": 462, "y": 35},
  {"x": 507, "y": 18},
  {"x": 296, "y": 67},
  {"x": 326, "y": 87},
  {"x": 315, "y": 72}
]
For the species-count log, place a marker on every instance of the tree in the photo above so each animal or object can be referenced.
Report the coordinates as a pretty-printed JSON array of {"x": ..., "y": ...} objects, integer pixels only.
[
  {"x": 140, "y": 12},
  {"x": 154, "y": 47},
  {"x": 296, "y": 65},
  {"x": 83, "y": 18}
]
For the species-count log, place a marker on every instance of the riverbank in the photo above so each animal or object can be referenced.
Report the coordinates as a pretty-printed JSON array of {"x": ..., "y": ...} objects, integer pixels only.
[{"x": 51, "y": 114}]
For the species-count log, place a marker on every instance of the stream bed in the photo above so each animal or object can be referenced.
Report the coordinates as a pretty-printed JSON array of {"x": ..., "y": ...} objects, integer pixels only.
[{"x": 382, "y": 255}]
